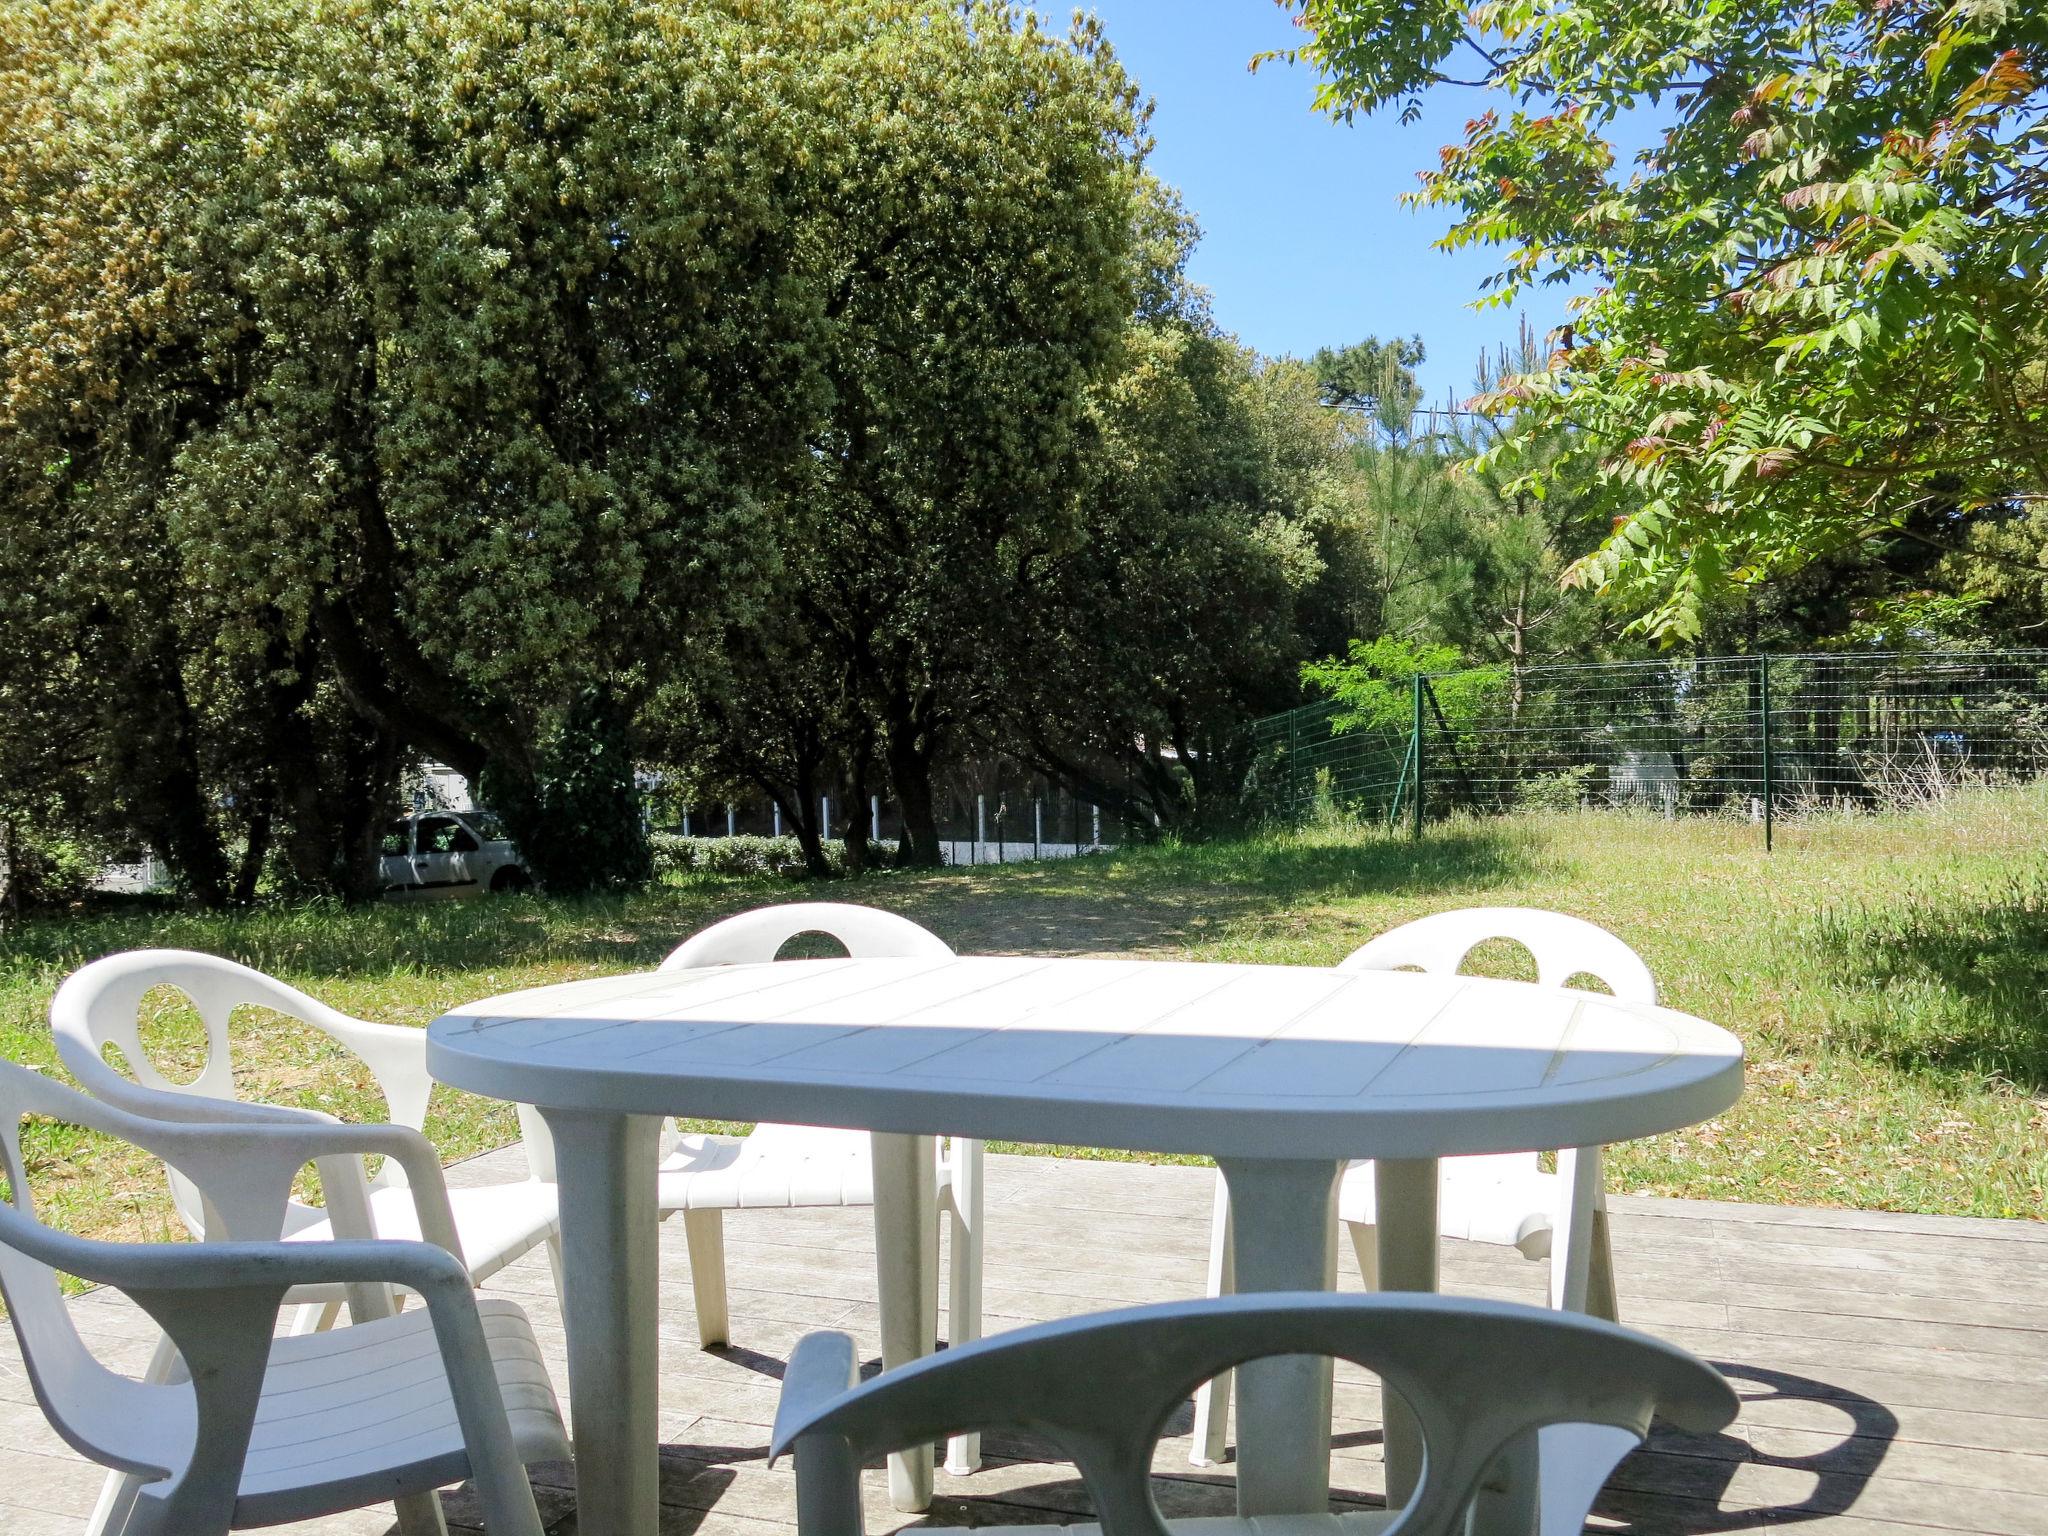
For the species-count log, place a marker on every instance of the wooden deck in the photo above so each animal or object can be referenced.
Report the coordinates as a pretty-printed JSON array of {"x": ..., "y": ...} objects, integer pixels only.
[{"x": 1894, "y": 1369}]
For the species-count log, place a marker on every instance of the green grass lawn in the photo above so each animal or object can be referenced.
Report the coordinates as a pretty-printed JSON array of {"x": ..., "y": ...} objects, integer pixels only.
[{"x": 1886, "y": 974}]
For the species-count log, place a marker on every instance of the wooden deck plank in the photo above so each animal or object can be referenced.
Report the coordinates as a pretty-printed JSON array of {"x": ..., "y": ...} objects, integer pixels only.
[
  {"x": 1894, "y": 1369},
  {"x": 1815, "y": 1218}
]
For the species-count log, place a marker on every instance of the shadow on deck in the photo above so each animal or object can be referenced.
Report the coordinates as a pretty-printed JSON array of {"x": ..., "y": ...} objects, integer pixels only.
[{"x": 1893, "y": 1369}]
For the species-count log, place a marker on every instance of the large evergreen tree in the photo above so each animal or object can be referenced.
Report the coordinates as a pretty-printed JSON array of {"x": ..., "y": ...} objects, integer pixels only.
[{"x": 445, "y": 378}]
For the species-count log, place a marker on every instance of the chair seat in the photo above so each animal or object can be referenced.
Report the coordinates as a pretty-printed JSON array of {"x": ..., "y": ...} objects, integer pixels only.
[
  {"x": 774, "y": 1166},
  {"x": 495, "y": 1222},
  {"x": 1503, "y": 1198},
  {"x": 344, "y": 1413},
  {"x": 1365, "y": 1522}
]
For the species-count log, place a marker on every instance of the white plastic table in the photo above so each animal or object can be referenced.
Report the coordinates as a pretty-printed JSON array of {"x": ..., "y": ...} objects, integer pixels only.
[{"x": 1281, "y": 1073}]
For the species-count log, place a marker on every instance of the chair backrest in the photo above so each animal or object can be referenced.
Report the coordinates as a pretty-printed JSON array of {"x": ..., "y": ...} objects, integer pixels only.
[
  {"x": 1476, "y": 1375},
  {"x": 754, "y": 938},
  {"x": 1563, "y": 947},
  {"x": 101, "y": 1004}
]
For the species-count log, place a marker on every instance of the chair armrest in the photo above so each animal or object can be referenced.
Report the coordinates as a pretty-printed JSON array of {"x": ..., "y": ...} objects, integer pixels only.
[
  {"x": 235, "y": 1267},
  {"x": 243, "y": 1163},
  {"x": 821, "y": 1367},
  {"x": 131, "y": 1097},
  {"x": 245, "y": 1170},
  {"x": 396, "y": 1055}
]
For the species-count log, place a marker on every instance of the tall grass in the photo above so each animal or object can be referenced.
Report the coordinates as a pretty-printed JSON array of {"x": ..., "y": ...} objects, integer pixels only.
[{"x": 1886, "y": 973}]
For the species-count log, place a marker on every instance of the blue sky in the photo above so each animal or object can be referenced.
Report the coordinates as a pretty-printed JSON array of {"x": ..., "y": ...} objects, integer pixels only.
[{"x": 1304, "y": 240}]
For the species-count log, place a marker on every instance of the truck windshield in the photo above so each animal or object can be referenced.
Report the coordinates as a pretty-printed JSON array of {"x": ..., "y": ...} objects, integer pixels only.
[{"x": 487, "y": 826}]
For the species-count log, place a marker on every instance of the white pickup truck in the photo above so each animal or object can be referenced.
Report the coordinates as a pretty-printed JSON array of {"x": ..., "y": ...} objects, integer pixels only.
[{"x": 450, "y": 853}]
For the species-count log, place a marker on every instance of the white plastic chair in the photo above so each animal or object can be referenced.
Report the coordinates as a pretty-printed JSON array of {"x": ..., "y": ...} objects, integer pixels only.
[
  {"x": 704, "y": 1176},
  {"x": 1503, "y": 1198},
  {"x": 254, "y": 1429},
  {"x": 1478, "y": 1377},
  {"x": 99, "y": 1005}
]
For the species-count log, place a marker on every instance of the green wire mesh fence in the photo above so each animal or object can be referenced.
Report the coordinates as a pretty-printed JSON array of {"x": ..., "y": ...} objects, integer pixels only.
[{"x": 1754, "y": 736}]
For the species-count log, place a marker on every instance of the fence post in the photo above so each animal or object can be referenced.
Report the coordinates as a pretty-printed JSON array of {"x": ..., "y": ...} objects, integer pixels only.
[
  {"x": 1294, "y": 764},
  {"x": 1037, "y": 825},
  {"x": 686, "y": 822},
  {"x": 778, "y": 818},
  {"x": 980, "y": 824},
  {"x": 1415, "y": 801},
  {"x": 824, "y": 816},
  {"x": 1763, "y": 697},
  {"x": 875, "y": 817},
  {"x": 731, "y": 818},
  {"x": 1095, "y": 826}
]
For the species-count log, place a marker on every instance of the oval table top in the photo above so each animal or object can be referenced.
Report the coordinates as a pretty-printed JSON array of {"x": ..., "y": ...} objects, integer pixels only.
[{"x": 1148, "y": 1055}]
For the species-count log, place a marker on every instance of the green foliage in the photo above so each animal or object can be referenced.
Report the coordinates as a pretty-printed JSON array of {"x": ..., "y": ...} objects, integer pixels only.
[
  {"x": 577, "y": 816},
  {"x": 1374, "y": 685},
  {"x": 1373, "y": 377},
  {"x": 38, "y": 872},
  {"x": 1222, "y": 545},
  {"x": 1812, "y": 311},
  {"x": 434, "y": 382},
  {"x": 487, "y": 354},
  {"x": 1563, "y": 790},
  {"x": 1920, "y": 621},
  {"x": 741, "y": 855},
  {"x": 2002, "y": 570},
  {"x": 989, "y": 186},
  {"x": 1461, "y": 553},
  {"x": 973, "y": 169}
]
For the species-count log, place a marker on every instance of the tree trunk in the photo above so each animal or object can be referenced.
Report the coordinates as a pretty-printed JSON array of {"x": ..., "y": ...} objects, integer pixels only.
[
  {"x": 853, "y": 813},
  {"x": 250, "y": 870},
  {"x": 158, "y": 758},
  {"x": 910, "y": 776},
  {"x": 10, "y": 882},
  {"x": 371, "y": 768},
  {"x": 386, "y": 702},
  {"x": 800, "y": 809},
  {"x": 184, "y": 832},
  {"x": 336, "y": 800}
]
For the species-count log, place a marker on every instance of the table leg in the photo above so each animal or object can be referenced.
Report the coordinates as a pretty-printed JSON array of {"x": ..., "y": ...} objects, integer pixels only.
[
  {"x": 907, "y": 1277},
  {"x": 1510, "y": 1499},
  {"x": 1406, "y": 1191},
  {"x": 606, "y": 1168},
  {"x": 1283, "y": 1234}
]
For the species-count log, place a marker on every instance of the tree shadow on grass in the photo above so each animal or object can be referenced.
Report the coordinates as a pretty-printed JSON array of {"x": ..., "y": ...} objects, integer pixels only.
[
  {"x": 1950, "y": 987},
  {"x": 1139, "y": 898},
  {"x": 1136, "y": 898},
  {"x": 1173, "y": 897}
]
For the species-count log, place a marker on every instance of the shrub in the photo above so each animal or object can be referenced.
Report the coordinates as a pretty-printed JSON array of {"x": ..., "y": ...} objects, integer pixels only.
[
  {"x": 1564, "y": 790},
  {"x": 50, "y": 872},
  {"x": 675, "y": 854},
  {"x": 576, "y": 815}
]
